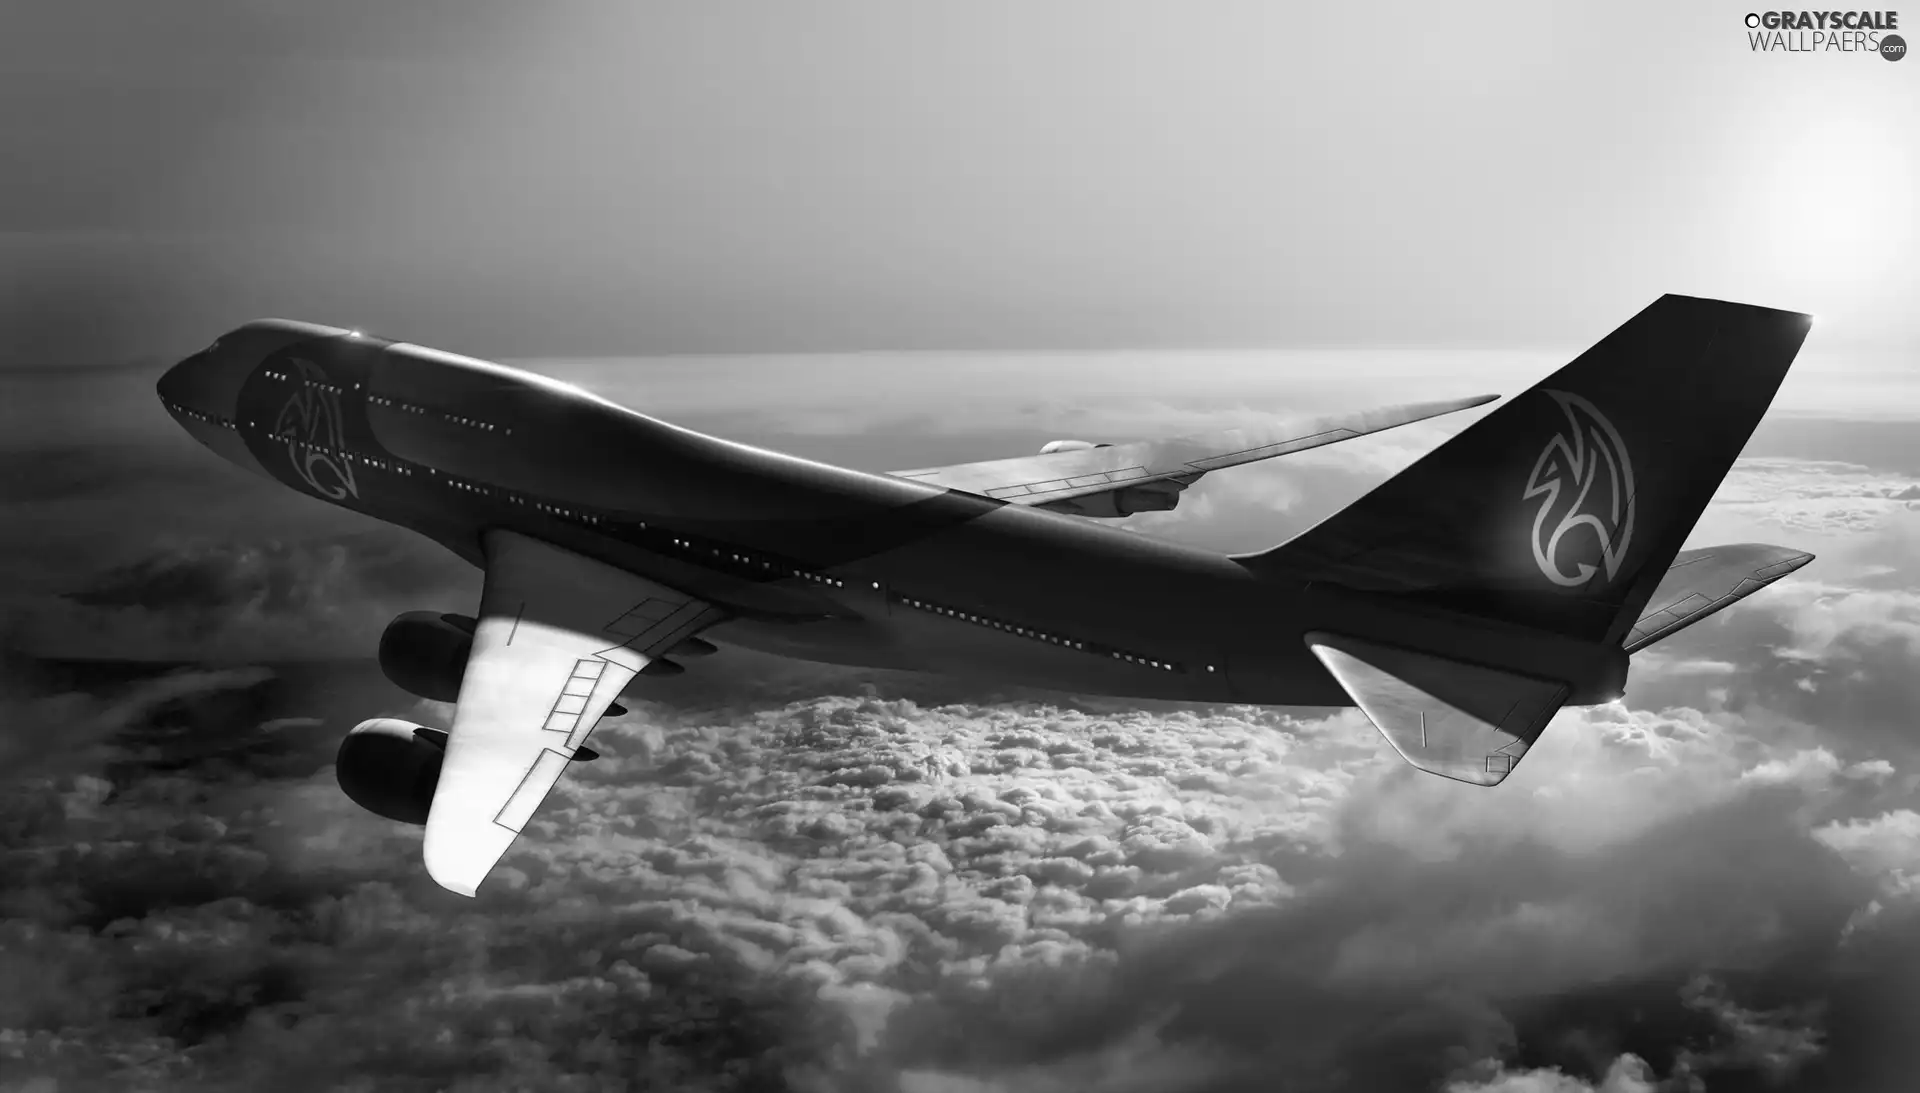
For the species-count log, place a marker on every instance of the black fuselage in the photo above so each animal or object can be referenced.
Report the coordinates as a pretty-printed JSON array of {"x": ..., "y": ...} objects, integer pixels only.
[{"x": 809, "y": 560}]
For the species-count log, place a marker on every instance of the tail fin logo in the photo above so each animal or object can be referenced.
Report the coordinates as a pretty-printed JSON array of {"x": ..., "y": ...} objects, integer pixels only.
[
  {"x": 315, "y": 434},
  {"x": 1584, "y": 480}
]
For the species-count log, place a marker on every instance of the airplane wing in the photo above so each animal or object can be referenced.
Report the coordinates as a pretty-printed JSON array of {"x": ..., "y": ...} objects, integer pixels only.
[
  {"x": 559, "y": 636},
  {"x": 1148, "y": 475},
  {"x": 1700, "y": 582}
]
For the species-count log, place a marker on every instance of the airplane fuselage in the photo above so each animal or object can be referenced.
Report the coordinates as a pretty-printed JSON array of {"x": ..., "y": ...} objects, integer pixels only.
[{"x": 812, "y": 561}]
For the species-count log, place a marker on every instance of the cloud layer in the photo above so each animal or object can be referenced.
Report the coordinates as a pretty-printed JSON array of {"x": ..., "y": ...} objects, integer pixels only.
[
  {"x": 781, "y": 877},
  {"x": 865, "y": 890}
]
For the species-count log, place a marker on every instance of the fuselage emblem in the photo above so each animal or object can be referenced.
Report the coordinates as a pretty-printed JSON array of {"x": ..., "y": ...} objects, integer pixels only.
[
  {"x": 315, "y": 434},
  {"x": 1584, "y": 479}
]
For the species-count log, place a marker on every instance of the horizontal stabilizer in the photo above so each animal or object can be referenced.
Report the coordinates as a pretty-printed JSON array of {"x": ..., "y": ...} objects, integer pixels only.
[
  {"x": 1462, "y": 721},
  {"x": 1700, "y": 582}
]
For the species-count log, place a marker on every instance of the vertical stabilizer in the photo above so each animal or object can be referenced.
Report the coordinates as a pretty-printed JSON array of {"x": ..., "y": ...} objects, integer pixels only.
[{"x": 1563, "y": 508}]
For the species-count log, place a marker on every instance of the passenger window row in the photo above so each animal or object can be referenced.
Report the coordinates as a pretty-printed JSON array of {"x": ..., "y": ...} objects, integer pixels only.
[
  {"x": 681, "y": 543},
  {"x": 1038, "y": 635}
]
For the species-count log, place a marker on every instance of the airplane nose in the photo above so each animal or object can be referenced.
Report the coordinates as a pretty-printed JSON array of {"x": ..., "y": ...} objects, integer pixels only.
[
  {"x": 206, "y": 386},
  {"x": 206, "y": 383},
  {"x": 181, "y": 385},
  {"x": 202, "y": 393}
]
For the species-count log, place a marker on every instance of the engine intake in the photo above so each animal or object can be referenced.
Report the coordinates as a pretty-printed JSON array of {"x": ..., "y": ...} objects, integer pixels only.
[
  {"x": 391, "y": 767},
  {"x": 1152, "y": 497},
  {"x": 1053, "y": 446},
  {"x": 425, "y": 653}
]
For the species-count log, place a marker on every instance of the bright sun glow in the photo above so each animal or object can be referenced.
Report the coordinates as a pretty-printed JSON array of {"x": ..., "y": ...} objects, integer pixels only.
[{"x": 1836, "y": 203}]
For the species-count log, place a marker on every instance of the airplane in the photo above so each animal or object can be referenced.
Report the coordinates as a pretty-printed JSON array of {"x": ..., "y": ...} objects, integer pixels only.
[{"x": 1511, "y": 571}]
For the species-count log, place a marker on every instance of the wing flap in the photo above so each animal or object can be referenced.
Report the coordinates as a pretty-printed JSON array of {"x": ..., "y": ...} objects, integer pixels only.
[
  {"x": 1462, "y": 721},
  {"x": 1062, "y": 476},
  {"x": 1701, "y": 582},
  {"x": 560, "y": 635}
]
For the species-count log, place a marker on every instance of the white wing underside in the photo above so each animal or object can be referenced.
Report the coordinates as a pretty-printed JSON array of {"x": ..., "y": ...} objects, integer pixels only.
[
  {"x": 1179, "y": 461},
  {"x": 1462, "y": 721},
  {"x": 560, "y": 636}
]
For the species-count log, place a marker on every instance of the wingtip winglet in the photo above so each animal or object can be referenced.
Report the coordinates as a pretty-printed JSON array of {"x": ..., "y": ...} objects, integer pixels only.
[
  {"x": 454, "y": 880},
  {"x": 451, "y": 871},
  {"x": 1448, "y": 406},
  {"x": 459, "y": 856}
]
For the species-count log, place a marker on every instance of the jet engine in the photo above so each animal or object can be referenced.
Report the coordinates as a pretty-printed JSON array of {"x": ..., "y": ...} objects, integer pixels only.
[
  {"x": 1152, "y": 497},
  {"x": 391, "y": 767},
  {"x": 425, "y": 653}
]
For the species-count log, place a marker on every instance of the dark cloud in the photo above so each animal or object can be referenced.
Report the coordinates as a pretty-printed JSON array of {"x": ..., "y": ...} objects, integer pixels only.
[
  {"x": 82, "y": 473},
  {"x": 183, "y": 917},
  {"x": 247, "y": 600},
  {"x": 1875, "y": 986},
  {"x": 271, "y": 576},
  {"x": 768, "y": 889},
  {"x": 1398, "y": 973}
]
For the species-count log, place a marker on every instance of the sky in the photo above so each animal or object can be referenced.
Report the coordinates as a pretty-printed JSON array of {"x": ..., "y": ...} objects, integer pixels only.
[
  {"x": 641, "y": 178},
  {"x": 893, "y": 236}
]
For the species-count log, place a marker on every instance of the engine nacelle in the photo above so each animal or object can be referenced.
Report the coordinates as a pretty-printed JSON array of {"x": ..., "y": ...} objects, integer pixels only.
[
  {"x": 391, "y": 767},
  {"x": 425, "y": 653},
  {"x": 1152, "y": 497},
  {"x": 1053, "y": 446}
]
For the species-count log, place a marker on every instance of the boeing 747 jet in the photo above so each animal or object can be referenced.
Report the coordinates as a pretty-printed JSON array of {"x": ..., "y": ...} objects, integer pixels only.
[{"x": 1511, "y": 571}]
